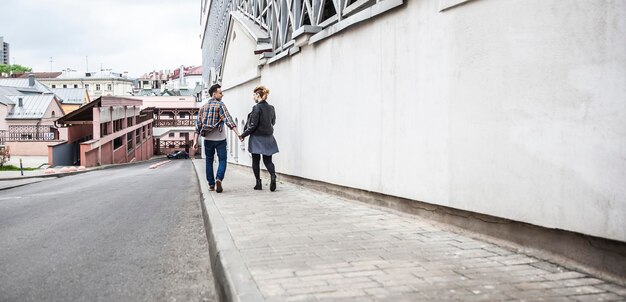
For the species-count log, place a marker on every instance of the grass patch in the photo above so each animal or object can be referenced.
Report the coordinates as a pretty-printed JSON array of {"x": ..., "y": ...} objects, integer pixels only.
[{"x": 14, "y": 168}]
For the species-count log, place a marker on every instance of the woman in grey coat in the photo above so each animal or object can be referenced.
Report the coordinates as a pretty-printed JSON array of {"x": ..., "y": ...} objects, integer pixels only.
[{"x": 260, "y": 128}]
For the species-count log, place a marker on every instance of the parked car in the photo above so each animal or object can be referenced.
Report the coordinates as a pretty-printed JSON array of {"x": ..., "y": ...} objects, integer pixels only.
[{"x": 178, "y": 154}]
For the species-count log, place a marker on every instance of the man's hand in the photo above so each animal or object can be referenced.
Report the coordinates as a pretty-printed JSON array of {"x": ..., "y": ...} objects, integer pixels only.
[{"x": 241, "y": 138}]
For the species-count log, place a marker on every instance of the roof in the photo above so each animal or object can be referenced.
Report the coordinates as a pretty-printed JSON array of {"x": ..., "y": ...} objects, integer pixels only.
[
  {"x": 195, "y": 71},
  {"x": 189, "y": 71},
  {"x": 6, "y": 90},
  {"x": 148, "y": 92},
  {"x": 41, "y": 75},
  {"x": 5, "y": 100},
  {"x": 22, "y": 84},
  {"x": 179, "y": 92},
  {"x": 85, "y": 112},
  {"x": 70, "y": 95},
  {"x": 34, "y": 106}
]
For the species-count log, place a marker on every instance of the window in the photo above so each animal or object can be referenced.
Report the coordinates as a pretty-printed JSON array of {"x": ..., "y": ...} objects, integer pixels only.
[
  {"x": 97, "y": 87},
  {"x": 129, "y": 122},
  {"x": 54, "y": 86},
  {"x": 104, "y": 129},
  {"x": 87, "y": 86},
  {"x": 144, "y": 132},
  {"x": 117, "y": 143},
  {"x": 53, "y": 113},
  {"x": 109, "y": 87},
  {"x": 129, "y": 141},
  {"x": 138, "y": 135},
  {"x": 182, "y": 115},
  {"x": 75, "y": 85},
  {"x": 172, "y": 134},
  {"x": 64, "y": 85},
  {"x": 117, "y": 125}
]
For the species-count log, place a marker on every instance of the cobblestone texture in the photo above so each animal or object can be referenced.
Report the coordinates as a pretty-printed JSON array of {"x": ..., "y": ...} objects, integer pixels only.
[{"x": 304, "y": 245}]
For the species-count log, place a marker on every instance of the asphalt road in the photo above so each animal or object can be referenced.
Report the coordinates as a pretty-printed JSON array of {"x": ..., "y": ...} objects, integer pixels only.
[{"x": 123, "y": 234}]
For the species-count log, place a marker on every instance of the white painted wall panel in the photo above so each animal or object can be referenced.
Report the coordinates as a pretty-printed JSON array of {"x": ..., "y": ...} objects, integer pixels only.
[{"x": 515, "y": 109}]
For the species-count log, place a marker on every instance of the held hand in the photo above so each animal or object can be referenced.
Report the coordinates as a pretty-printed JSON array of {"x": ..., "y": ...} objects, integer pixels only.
[
  {"x": 195, "y": 145},
  {"x": 241, "y": 138}
]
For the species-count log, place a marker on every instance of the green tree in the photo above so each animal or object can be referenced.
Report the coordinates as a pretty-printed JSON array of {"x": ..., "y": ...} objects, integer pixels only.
[{"x": 15, "y": 68}]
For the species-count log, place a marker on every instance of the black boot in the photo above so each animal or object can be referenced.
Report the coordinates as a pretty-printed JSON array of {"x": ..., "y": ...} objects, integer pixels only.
[
  {"x": 258, "y": 185},
  {"x": 273, "y": 183}
]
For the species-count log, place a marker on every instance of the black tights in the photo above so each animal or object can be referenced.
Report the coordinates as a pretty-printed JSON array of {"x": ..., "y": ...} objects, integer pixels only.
[{"x": 267, "y": 161}]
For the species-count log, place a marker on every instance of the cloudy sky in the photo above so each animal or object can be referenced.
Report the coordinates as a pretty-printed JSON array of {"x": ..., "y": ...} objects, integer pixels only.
[{"x": 136, "y": 36}]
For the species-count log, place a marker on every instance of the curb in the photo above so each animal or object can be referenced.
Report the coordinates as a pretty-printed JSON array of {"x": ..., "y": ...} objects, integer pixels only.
[{"x": 233, "y": 281}]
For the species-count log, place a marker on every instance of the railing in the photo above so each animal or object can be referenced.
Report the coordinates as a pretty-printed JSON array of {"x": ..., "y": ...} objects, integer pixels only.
[
  {"x": 174, "y": 123},
  {"x": 170, "y": 144},
  {"x": 280, "y": 19},
  {"x": 27, "y": 136}
]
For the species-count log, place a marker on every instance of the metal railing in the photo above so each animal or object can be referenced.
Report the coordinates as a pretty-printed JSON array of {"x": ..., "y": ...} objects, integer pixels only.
[
  {"x": 174, "y": 123},
  {"x": 279, "y": 18},
  {"x": 27, "y": 136}
]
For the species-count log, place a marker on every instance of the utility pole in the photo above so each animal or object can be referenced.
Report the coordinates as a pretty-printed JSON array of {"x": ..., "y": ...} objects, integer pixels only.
[{"x": 87, "y": 63}]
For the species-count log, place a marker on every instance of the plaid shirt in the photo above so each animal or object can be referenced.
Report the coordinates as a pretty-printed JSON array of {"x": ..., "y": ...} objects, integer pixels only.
[{"x": 210, "y": 113}]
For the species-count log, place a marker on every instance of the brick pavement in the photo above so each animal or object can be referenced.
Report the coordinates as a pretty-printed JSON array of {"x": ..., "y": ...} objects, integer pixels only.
[{"x": 303, "y": 245}]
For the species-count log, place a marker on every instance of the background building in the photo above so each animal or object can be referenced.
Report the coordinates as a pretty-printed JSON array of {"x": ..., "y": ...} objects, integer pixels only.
[
  {"x": 4, "y": 52},
  {"x": 108, "y": 130},
  {"x": 71, "y": 98},
  {"x": 28, "y": 111},
  {"x": 104, "y": 83}
]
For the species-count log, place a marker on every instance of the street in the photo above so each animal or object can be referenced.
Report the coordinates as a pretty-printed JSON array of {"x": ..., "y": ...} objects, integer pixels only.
[{"x": 123, "y": 234}]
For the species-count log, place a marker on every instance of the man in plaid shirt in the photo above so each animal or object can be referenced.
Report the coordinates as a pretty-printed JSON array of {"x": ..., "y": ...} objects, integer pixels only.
[{"x": 210, "y": 125}]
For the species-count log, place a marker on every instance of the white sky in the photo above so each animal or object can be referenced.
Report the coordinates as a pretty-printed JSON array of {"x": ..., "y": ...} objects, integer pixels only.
[{"x": 137, "y": 36}]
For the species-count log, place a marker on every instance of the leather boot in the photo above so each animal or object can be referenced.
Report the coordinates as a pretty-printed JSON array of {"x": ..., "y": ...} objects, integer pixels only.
[
  {"x": 273, "y": 183},
  {"x": 258, "y": 185}
]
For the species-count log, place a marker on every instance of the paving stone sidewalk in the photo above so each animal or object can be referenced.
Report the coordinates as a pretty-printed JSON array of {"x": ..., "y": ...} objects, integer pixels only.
[{"x": 303, "y": 245}]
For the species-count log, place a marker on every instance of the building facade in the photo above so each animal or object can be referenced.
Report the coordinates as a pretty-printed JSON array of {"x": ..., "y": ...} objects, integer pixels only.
[
  {"x": 28, "y": 111},
  {"x": 5, "y": 54},
  {"x": 108, "y": 130},
  {"x": 512, "y": 109},
  {"x": 174, "y": 121},
  {"x": 97, "y": 84}
]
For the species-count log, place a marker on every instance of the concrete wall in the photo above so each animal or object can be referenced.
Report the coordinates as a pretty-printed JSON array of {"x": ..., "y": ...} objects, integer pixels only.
[
  {"x": 30, "y": 148},
  {"x": 107, "y": 153},
  {"x": 508, "y": 108},
  {"x": 4, "y": 111},
  {"x": 168, "y": 101}
]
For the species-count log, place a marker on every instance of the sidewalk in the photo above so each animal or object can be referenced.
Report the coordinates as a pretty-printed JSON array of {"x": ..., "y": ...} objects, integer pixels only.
[{"x": 296, "y": 244}]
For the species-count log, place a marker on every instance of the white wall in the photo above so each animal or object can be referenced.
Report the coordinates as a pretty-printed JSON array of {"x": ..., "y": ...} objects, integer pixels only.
[{"x": 515, "y": 109}]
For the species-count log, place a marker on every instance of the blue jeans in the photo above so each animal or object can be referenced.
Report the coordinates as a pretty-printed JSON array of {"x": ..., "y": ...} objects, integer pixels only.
[{"x": 209, "y": 151}]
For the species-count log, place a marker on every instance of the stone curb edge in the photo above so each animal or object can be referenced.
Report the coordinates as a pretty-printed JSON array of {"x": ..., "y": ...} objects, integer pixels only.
[{"x": 233, "y": 280}]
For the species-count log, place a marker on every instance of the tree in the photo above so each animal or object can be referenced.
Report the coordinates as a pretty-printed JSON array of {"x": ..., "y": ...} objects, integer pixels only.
[{"x": 15, "y": 68}]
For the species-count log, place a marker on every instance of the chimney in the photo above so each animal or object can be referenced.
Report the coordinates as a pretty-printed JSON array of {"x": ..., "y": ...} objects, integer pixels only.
[
  {"x": 31, "y": 80},
  {"x": 182, "y": 75}
]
